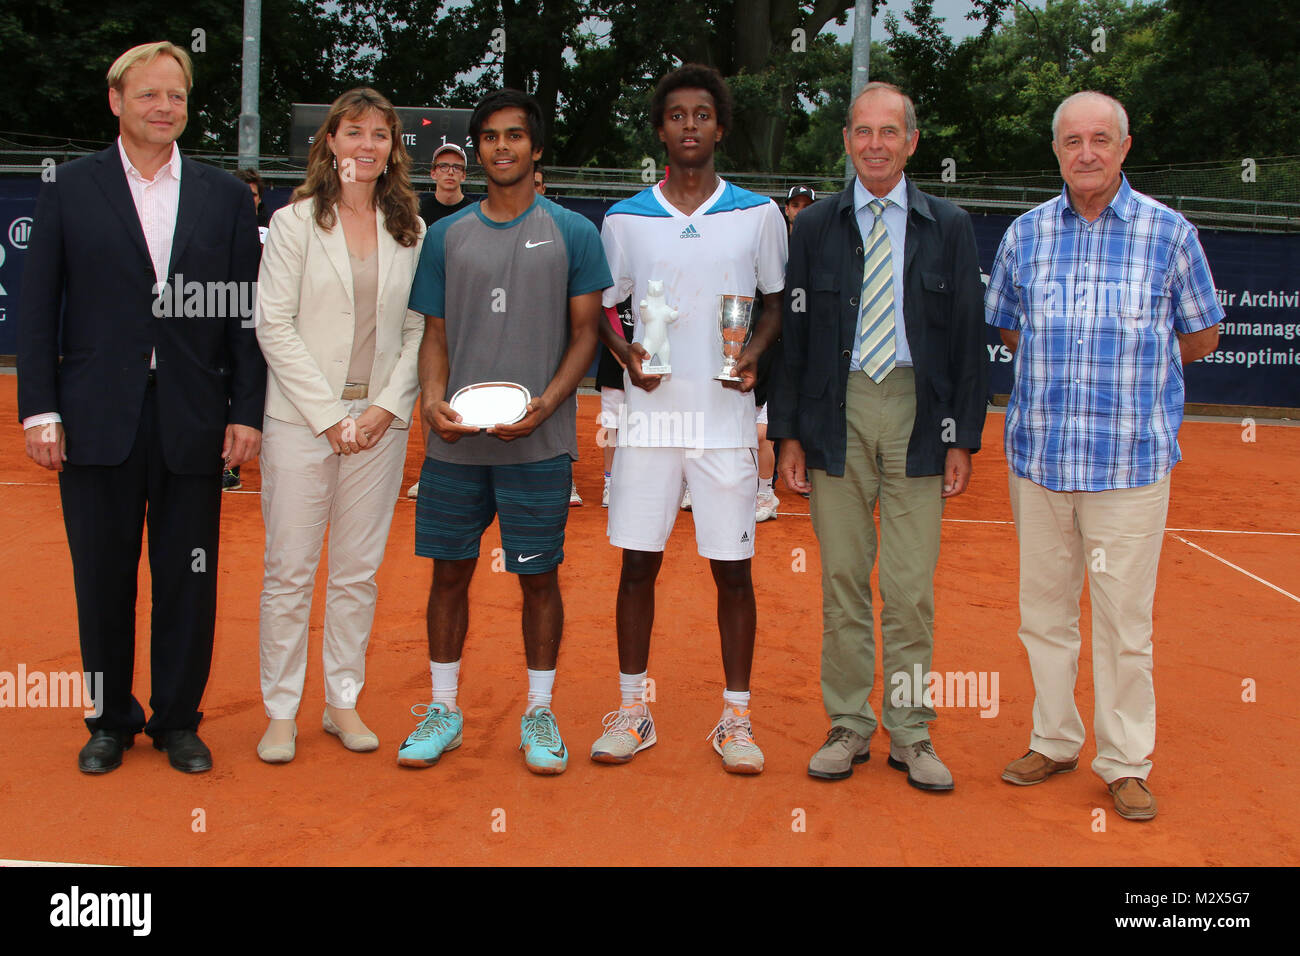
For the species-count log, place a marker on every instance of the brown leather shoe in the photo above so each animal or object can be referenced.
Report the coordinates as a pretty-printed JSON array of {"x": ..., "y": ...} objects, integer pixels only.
[
  {"x": 1034, "y": 768},
  {"x": 1133, "y": 801}
]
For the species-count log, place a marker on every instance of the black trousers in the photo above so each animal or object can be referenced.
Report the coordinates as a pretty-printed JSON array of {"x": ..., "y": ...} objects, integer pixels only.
[{"x": 105, "y": 509}]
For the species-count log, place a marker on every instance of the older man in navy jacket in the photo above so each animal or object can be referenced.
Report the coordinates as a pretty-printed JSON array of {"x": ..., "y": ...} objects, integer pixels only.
[
  {"x": 141, "y": 273},
  {"x": 881, "y": 396}
]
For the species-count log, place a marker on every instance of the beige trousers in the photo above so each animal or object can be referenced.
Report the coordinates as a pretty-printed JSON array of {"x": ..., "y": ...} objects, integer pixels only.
[
  {"x": 1115, "y": 536},
  {"x": 879, "y": 420},
  {"x": 305, "y": 487}
]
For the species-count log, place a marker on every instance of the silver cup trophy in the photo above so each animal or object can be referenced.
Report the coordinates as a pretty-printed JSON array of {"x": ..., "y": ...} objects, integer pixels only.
[{"x": 735, "y": 319}]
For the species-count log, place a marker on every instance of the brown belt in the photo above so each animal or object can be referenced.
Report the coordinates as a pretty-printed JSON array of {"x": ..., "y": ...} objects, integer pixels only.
[{"x": 351, "y": 392}]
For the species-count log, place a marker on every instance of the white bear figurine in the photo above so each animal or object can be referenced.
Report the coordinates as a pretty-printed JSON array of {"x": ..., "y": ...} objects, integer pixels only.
[{"x": 656, "y": 314}]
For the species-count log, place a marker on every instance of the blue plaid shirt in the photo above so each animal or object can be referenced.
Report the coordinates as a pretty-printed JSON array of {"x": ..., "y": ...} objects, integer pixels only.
[{"x": 1097, "y": 391}]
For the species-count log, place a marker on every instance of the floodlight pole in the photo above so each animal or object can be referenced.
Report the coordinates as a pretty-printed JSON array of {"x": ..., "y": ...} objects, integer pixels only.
[
  {"x": 861, "y": 60},
  {"x": 250, "y": 123}
]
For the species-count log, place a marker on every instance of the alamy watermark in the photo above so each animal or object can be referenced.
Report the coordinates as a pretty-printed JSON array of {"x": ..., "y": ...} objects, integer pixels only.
[
  {"x": 655, "y": 428},
  {"x": 205, "y": 300},
  {"x": 1133, "y": 301},
  {"x": 23, "y": 688},
  {"x": 951, "y": 689}
]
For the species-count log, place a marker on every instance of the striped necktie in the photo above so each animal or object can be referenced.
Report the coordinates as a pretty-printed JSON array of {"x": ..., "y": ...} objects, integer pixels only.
[{"x": 876, "y": 352}]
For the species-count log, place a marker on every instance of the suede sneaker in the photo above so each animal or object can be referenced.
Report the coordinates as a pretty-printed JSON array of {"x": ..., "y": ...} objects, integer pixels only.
[{"x": 835, "y": 758}]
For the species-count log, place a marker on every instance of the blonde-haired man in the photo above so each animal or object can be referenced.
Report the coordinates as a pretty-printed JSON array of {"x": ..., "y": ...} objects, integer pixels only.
[
  {"x": 144, "y": 55},
  {"x": 149, "y": 398}
]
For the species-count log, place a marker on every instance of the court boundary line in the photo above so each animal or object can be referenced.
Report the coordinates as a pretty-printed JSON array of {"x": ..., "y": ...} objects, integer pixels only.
[{"x": 1235, "y": 567}]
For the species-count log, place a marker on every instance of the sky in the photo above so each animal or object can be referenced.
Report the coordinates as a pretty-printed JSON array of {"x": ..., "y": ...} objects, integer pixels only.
[{"x": 952, "y": 11}]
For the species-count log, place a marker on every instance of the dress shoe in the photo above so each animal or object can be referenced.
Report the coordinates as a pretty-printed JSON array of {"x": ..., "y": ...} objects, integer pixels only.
[
  {"x": 277, "y": 751},
  {"x": 835, "y": 758},
  {"x": 361, "y": 742},
  {"x": 185, "y": 751},
  {"x": 1034, "y": 768},
  {"x": 1133, "y": 801},
  {"x": 925, "y": 770},
  {"x": 103, "y": 752}
]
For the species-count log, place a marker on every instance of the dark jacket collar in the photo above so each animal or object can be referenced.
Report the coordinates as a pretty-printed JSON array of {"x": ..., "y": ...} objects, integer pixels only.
[{"x": 916, "y": 200}]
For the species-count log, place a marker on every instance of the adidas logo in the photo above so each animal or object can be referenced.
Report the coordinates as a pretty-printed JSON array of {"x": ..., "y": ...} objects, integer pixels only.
[
  {"x": 690, "y": 232},
  {"x": 744, "y": 537}
]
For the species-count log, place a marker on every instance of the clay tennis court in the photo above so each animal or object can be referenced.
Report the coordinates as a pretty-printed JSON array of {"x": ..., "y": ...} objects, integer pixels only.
[{"x": 1224, "y": 772}]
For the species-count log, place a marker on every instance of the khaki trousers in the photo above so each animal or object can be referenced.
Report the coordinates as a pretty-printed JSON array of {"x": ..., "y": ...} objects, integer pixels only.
[
  {"x": 879, "y": 419},
  {"x": 305, "y": 487},
  {"x": 1116, "y": 537}
]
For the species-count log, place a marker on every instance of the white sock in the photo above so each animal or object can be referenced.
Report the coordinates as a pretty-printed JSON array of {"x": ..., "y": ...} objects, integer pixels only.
[
  {"x": 737, "y": 700},
  {"x": 446, "y": 678},
  {"x": 632, "y": 688},
  {"x": 540, "y": 684}
]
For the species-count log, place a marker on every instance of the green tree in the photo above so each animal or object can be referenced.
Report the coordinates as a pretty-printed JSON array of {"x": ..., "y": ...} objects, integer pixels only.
[{"x": 57, "y": 53}]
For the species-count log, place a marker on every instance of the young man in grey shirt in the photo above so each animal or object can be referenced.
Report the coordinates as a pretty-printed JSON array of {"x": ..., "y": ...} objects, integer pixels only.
[{"x": 510, "y": 290}]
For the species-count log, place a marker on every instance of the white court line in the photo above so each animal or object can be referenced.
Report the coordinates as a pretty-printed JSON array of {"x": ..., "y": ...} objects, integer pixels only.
[
  {"x": 48, "y": 863},
  {"x": 1280, "y": 534},
  {"x": 1236, "y": 568}
]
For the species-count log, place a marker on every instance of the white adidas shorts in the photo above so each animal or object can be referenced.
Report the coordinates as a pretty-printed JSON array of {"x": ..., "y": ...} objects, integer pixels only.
[{"x": 646, "y": 490}]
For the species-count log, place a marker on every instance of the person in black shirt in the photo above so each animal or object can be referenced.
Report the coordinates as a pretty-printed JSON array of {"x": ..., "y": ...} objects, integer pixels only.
[{"x": 448, "y": 172}]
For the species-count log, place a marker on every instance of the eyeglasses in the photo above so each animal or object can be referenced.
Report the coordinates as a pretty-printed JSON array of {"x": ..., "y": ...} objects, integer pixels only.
[{"x": 448, "y": 167}]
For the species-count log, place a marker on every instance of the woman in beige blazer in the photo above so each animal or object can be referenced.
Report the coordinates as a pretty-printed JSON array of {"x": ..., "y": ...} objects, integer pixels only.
[{"x": 341, "y": 350}]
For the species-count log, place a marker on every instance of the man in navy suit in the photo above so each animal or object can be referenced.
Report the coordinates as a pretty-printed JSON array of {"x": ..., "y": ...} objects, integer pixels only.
[
  {"x": 880, "y": 397},
  {"x": 140, "y": 273}
]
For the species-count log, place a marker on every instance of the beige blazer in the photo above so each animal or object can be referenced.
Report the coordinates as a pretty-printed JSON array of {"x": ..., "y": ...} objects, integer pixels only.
[{"x": 305, "y": 322}]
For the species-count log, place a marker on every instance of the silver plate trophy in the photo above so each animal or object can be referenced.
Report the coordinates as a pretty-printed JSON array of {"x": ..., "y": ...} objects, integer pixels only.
[
  {"x": 735, "y": 319},
  {"x": 491, "y": 403}
]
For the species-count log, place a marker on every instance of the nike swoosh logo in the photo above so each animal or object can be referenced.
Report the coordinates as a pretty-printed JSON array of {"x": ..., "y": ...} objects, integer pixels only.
[
  {"x": 533, "y": 245},
  {"x": 522, "y": 559}
]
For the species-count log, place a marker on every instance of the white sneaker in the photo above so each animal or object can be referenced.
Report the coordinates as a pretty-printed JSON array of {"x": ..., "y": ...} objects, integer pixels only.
[
  {"x": 765, "y": 507},
  {"x": 575, "y": 499},
  {"x": 628, "y": 731},
  {"x": 413, "y": 491},
  {"x": 686, "y": 499},
  {"x": 604, "y": 495},
  {"x": 733, "y": 738}
]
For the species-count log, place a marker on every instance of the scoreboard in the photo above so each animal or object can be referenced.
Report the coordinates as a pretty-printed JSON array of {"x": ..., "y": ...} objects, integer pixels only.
[{"x": 424, "y": 129}]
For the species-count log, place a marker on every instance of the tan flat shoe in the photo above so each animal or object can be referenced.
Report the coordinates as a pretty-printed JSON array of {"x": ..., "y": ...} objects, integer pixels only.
[
  {"x": 361, "y": 742},
  {"x": 277, "y": 752}
]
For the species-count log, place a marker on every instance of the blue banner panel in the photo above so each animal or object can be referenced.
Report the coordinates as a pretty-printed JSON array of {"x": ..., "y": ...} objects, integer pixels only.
[
  {"x": 1257, "y": 278},
  {"x": 17, "y": 203}
]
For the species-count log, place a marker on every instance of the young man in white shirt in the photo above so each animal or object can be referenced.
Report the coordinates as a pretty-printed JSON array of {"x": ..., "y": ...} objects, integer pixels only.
[{"x": 701, "y": 237}]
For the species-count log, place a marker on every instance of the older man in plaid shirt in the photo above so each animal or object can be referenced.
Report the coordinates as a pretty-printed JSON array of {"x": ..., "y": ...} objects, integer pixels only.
[{"x": 1103, "y": 294}]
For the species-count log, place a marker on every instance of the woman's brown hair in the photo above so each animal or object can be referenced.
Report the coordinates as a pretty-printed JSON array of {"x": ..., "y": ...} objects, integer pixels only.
[{"x": 393, "y": 193}]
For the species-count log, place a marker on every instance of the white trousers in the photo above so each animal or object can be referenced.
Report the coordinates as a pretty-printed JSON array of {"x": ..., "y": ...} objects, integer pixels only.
[
  {"x": 1115, "y": 536},
  {"x": 305, "y": 487}
]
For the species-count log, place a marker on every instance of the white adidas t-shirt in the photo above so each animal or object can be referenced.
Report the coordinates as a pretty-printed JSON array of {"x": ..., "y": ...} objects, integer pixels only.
[{"x": 733, "y": 244}]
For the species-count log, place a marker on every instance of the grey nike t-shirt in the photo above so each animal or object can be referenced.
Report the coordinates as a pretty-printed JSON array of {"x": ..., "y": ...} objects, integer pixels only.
[{"x": 503, "y": 290}]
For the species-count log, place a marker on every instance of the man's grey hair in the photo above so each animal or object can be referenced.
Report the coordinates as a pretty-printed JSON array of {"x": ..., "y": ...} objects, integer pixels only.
[
  {"x": 875, "y": 86},
  {"x": 1121, "y": 117}
]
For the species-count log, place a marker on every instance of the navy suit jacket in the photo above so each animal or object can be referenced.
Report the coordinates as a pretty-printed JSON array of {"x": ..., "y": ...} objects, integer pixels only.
[
  {"x": 88, "y": 291},
  {"x": 943, "y": 314}
]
